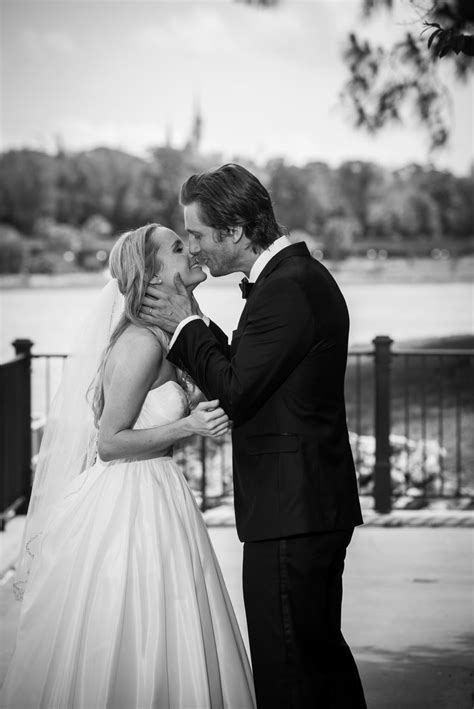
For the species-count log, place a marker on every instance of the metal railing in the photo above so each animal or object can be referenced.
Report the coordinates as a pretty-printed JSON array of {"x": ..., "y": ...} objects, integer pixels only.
[
  {"x": 410, "y": 415},
  {"x": 438, "y": 388},
  {"x": 15, "y": 435}
]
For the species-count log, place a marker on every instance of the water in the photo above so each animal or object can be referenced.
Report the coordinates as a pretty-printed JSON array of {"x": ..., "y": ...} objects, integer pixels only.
[{"x": 49, "y": 316}]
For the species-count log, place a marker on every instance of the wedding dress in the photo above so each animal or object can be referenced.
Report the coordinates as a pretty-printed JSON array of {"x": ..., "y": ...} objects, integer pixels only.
[{"x": 126, "y": 607}]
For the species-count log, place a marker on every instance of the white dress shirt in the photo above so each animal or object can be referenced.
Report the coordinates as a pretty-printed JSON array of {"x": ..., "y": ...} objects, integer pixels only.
[{"x": 281, "y": 243}]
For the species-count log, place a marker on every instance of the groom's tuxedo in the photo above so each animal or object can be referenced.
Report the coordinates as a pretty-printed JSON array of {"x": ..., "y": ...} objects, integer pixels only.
[{"x": 281, "y": 381}]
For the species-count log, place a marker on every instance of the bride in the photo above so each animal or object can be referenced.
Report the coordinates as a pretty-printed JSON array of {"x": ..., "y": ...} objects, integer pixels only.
[{"x": 123, "y": 602}]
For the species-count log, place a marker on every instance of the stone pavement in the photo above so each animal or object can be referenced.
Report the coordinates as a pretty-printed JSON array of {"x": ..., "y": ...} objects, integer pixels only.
[{"x": 407, "y": 612}]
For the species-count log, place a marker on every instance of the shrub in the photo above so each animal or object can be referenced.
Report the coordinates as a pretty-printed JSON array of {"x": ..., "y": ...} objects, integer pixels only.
[
  {"x": 12, "y": 250},
  {"x": 58, "y": 237}
]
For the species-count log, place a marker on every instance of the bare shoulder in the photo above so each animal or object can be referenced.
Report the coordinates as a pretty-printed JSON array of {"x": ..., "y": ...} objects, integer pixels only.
[{"x": 137, "y": 349}]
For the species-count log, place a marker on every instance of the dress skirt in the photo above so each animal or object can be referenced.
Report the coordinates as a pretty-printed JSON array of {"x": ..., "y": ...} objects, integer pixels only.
[{"x": 125, "y": 606}]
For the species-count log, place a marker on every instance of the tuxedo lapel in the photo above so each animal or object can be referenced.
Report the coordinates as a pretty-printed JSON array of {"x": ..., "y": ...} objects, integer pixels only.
[{"x": 298, "y": 249}]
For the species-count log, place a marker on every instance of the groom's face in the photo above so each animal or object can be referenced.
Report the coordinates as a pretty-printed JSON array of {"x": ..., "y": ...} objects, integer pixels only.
[{"x": 218, "y": 254}]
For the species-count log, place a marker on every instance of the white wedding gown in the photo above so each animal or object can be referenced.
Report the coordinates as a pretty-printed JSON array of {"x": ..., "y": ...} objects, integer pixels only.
[{"x": 126, "y": 606}]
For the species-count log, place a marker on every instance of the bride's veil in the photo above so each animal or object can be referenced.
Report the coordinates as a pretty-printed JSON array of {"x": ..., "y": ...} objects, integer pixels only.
[{"x": 69, "y": 445}]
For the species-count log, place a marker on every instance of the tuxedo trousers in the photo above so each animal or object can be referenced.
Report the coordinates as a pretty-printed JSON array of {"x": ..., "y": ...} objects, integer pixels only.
[{"x": 293, "y": 596}]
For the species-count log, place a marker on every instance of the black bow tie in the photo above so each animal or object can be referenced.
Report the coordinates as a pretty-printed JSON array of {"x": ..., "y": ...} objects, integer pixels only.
[{"x": 246, "y": 287}]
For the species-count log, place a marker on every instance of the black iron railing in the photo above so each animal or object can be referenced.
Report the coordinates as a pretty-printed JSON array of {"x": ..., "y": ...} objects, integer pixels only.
[
  {"x": 15, "y": 434},
  {"x": 410, "y": 415},
  {"x": 436, "y": 394}
]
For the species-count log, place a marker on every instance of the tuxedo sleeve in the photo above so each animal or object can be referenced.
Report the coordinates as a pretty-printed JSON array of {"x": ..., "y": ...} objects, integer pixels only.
[
  {"x": 220, "y": 336},
  {"x": 279, "y": 332}
]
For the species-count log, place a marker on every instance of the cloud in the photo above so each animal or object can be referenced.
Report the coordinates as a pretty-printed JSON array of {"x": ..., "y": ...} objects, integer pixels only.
[
  {"x": 195, "y": 32},
  {"x": 238, "y": 31},
  {"x": 136, "y": 137},
  {"x": 58, "y": 42}
]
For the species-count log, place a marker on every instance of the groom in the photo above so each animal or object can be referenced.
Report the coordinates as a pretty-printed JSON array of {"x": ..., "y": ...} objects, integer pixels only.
[{"x": 281, "y": 381}]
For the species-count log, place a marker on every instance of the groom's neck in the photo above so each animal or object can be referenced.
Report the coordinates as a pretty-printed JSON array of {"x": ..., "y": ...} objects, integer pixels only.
[
  {"x": 247, "y": 259},
  {"x": 245, "y": 269}
]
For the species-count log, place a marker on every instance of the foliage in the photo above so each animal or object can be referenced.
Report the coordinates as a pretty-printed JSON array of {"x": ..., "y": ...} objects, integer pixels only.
[
  {"x": 57, "y": 237},
  {"x": 28, "y": 181},
  {"x": 97, "y": 226},
  {"x": 387, "y": 82},
  {"x": 370, "y": 202},
  {"x": 108, "y": 191},
  {"x": 444, "y": 41},
  {"x": 289, "y": 191},
  {"x": 47, "y": 262},
  {"x": 339, "y": 235},
  {"x": 12, "y": 250},
  {"x": 103, "y": 182}
]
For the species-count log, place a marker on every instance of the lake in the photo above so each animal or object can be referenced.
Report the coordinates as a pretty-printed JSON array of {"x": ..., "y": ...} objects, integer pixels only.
[{"x": 49, "y": 315}]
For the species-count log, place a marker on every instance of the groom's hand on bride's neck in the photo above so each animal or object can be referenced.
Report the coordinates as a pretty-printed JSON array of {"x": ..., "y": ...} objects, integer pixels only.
[{"x": 166, "y": 309}]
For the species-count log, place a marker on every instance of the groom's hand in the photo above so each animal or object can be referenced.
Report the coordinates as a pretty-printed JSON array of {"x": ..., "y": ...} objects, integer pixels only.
[{"x": 166, "y": 310}]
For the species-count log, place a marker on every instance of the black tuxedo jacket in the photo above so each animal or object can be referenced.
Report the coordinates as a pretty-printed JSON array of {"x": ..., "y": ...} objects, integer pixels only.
[{"x": 281, "y": 381}]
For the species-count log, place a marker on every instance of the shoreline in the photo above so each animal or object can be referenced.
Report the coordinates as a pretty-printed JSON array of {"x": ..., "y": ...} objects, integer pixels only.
[{"x": 349, "y": 272}]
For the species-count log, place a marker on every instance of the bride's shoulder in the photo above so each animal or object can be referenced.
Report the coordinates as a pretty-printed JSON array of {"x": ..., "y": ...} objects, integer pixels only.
[
  {"x": 134, "y": 335},
  {"x": 136, "y": 344}
]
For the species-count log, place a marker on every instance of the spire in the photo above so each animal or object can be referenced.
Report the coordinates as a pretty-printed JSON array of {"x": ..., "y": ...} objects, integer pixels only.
[
  {"x": 59, "y": 144},
  {"x": 194, "y": 141}
]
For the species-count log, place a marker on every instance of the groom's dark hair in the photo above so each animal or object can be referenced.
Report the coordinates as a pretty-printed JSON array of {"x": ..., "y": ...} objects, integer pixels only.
[{"x": 230, "y": 196}]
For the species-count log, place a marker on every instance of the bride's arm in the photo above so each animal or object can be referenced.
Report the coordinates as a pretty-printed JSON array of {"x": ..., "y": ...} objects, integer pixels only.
[{"x": 133, "y": 372}]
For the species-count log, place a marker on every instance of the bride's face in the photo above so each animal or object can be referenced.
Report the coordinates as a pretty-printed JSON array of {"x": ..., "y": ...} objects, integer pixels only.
[{"x": 172, "y": 257}]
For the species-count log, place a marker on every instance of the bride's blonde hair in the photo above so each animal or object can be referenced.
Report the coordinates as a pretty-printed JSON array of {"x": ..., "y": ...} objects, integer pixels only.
[{"x": 132, "y": 262}]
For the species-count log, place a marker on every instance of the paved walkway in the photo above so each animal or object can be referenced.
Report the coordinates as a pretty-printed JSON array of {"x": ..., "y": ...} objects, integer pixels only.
[{"x": 407, "y": 613}]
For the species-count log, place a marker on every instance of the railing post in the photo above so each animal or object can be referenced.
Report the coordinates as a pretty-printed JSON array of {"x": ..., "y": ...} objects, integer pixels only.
[
  {"x": 23, "y": 348},
  {"x": 204, "y": 475},
  {"x": 382, "y": 480}
]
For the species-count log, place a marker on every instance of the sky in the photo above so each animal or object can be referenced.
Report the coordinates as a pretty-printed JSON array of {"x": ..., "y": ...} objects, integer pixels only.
[{"x": 267, "y": 82}]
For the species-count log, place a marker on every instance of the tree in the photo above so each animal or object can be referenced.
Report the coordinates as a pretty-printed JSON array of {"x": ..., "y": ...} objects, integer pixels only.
[
  {"x": 387, "y": 82},
  {"x": 450, "y": 194},
  {"x": 27, "y": 188},
  {"x": 339, "y": 234},
  {"x": 12, "y": 250},
  {"x": 111, "y": 183},
  {"x": 169, "y": 168},
  {"x": 324, "y": 194},
  {"x": 289, "y": 190},
  {"x": 359, "y": 185}
]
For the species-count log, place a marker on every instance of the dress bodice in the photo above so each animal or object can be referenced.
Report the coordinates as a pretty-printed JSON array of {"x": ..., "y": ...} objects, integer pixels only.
[{"x": 165, "y": 404}]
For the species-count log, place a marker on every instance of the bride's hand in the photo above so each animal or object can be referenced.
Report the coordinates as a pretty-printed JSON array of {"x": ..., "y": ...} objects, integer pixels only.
[{"x": 209, "y": 419}]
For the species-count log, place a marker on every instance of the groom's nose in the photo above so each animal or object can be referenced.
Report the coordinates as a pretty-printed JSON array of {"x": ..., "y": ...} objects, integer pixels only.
[{"x": 193, "y": 246}]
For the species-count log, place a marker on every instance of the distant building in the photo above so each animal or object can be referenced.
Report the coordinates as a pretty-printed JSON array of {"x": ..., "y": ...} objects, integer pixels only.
[{"x": 193, "y": 144}]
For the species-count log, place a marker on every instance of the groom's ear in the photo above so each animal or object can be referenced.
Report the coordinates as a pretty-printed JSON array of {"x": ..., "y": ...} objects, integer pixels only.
[{"x": 236, "y": 233}]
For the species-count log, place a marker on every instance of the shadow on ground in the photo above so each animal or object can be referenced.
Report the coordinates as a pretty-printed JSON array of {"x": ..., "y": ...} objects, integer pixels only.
[{"x": 420, "y": 677}]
